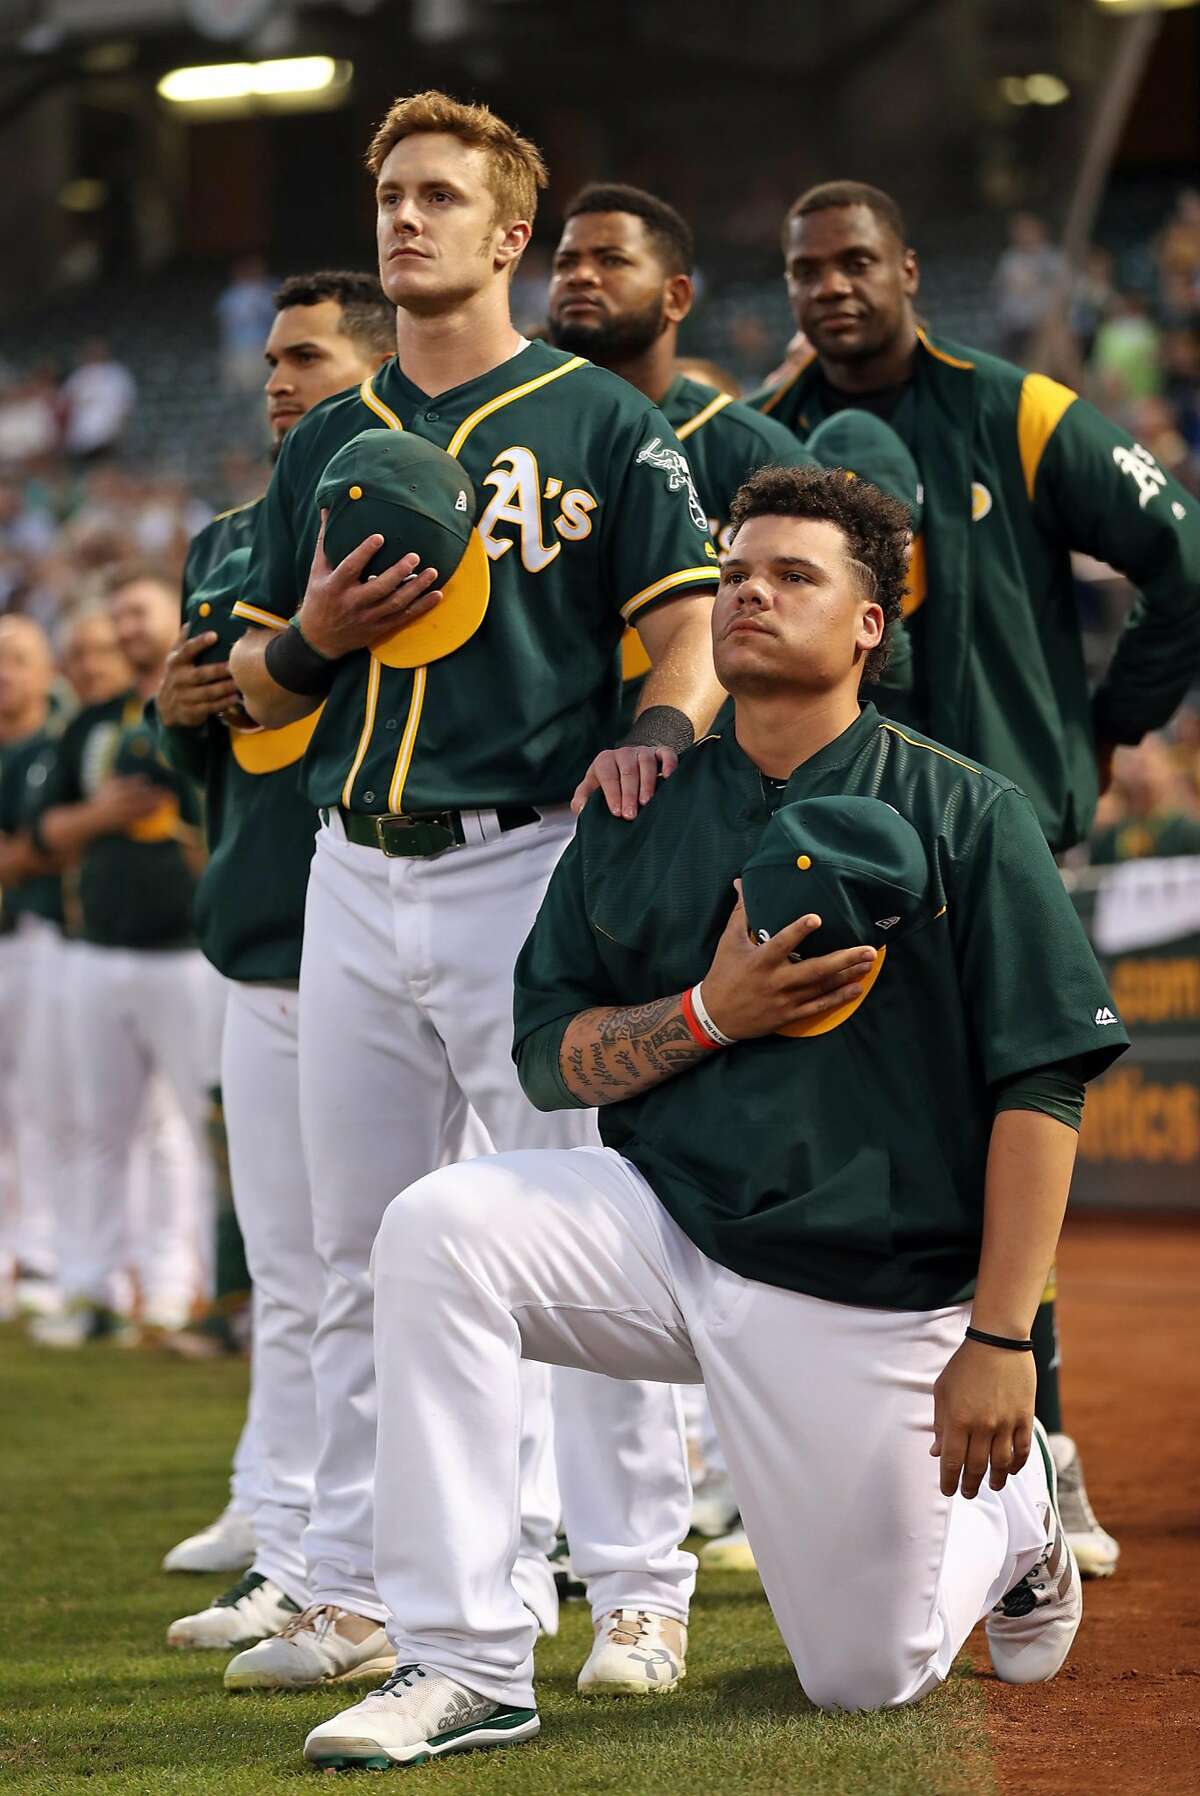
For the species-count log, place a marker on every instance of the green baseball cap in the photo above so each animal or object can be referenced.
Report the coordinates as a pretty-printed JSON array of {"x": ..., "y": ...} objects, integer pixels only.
[
  {"x": 864, "y": 445},
  {"x": 420, "y": 500},
  {"x": 855, "y": 862}
]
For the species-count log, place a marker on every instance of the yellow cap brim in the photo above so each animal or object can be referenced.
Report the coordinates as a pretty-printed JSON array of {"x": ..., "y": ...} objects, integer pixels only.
[
  {"x": 160, "y": 826},
  {"x": 267, "y": 751},
  {"x": 833, "y": 1019},
  {"x": 453, "y": 620},
  {"x": 634, "y": 660}
]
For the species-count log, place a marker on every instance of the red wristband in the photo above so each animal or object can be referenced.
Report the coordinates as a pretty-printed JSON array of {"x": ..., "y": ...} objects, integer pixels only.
[{"x": 698, "y": 1034}]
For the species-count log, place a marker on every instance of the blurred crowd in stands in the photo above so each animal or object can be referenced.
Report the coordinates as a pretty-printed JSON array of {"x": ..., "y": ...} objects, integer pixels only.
[{"x": 75, "y": 501}]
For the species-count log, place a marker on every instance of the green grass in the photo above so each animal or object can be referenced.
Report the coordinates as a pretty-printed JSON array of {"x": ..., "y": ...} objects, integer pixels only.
[{"x": 109, "y": 1457}]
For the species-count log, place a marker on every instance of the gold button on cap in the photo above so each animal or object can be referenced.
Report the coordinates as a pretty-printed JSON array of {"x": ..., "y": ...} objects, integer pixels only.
[
  {"x": 803, "y": 862},
  {"x": 204, "y": 609},
  {"x": 356, "y": 492}
]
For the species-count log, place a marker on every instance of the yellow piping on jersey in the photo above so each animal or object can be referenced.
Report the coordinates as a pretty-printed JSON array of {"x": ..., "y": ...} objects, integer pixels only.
[
  {"x": 942, "y": 355},
  {"x": 688, "y": 576},
  {"x": 710, "y": 411},
  {"x": 786, "y": 386},
  {"x": 409, "y": 739},
  {"x": 253, "y": 615},
  {"x": 374, "y": 403},
  {"x": 368, "y": 727},
  {"x": 1043, "y": 402},
  {"x": 233, "y": 511},
  {"x": 494, "y": 405},
  {"x": 929, "y": 748}
]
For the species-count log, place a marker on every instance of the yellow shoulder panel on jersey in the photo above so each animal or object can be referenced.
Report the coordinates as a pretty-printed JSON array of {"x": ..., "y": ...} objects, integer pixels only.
[
  {"x": 1043, "y": 402},
  {"x": 715, "y": 405}
]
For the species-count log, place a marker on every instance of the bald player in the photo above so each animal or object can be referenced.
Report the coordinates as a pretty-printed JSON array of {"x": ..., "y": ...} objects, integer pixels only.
[
  {"x": 30, "y": 935},
  {"x": 331, "y": 331},
  {"x": 1017, "y": 472},
  {"x": 144, "y": 1003},
  {"x": 851, "y": 1273}
]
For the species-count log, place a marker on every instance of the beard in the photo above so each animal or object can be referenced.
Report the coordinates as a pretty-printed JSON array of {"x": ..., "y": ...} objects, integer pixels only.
[{"x": 607, "y": 340}]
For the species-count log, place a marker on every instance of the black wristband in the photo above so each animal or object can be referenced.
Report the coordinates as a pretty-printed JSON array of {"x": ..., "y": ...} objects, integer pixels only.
[
  {"x": 293, "y": 663},
  {"x": 661, "y": 726},
  {"x": 977, "y": 1334}
]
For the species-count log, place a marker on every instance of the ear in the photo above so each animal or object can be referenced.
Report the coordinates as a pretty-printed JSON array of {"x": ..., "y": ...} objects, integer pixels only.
[
  {"x": 678, "y": 295},
  {"x": 911, "y": 273},
  {"x": 871, "y": 626},
  {"x": 513, "y": 239}
]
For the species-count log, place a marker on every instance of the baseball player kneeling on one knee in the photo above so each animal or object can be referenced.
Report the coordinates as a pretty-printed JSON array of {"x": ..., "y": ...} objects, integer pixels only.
[{"x": 837, "y": 1013}]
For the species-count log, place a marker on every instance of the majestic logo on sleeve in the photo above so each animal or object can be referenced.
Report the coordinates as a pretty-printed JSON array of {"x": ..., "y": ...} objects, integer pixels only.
[
  {"x": 673, "y": 464},
  {"x": 1143, "y": 470},
  {"x": 1104, "y": 1015}
]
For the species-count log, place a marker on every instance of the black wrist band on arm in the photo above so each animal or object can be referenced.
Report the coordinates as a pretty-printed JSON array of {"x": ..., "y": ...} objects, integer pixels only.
[
  {"x": 661, "y": 726},
  {"x": 293, "y": 663},
  {"x": 977, "y": 1334}
]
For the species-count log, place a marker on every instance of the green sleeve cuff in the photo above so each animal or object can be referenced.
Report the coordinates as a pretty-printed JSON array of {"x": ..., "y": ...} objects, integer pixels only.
[
  {"x": 538, "y": 1069},
  {"x": 184, "y": 750},
  {"x": 1056, "y": 1091}
]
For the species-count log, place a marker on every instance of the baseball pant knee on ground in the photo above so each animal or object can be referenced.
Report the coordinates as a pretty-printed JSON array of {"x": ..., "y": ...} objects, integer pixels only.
[
  {"x": 543, "y": 1253},
  {"x": 260, "y": 1083}
]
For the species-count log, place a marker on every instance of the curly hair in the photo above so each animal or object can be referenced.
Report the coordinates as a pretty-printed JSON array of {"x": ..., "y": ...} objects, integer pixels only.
[{"x": 877, "y": 530}]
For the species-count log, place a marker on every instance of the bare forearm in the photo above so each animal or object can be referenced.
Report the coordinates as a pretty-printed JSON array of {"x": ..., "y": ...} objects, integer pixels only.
[
  {"x": 69, "y": 828},
  {"x": 20, "y": 860},
  {"x": 1030, "y": 1161},
  {"x": 265, "y": 699},
  {"x": 610, "y": 1054},
  {"x": 682, "y": 673}
]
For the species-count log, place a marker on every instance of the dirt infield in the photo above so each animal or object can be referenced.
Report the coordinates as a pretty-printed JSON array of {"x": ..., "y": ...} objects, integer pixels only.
[{"x": 1124, "y": 1717}]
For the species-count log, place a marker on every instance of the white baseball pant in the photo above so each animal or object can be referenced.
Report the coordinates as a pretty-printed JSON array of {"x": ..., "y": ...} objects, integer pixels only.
[
  {"x": 139, "y": 1014},
  {"x": 405, "y": 1007},
  {"x": 36, "y": 1095},
  {"x": 261, "y": 1091},
  {"x": 825, "y": 1413}
]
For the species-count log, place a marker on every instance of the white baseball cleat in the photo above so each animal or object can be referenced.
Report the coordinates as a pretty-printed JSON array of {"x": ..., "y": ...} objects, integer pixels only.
[
  {"x": 79, "y": 1324},
  {"x": 419, "y": 1714},
  {"x": 733, "y": 1553},
  {"x": 1096, "y": 1552},
  {"x": 1031, "y": 1628},
  {"x": 254, "y": 1609},
  {"x": 635, "y": 1653},
  {"x": 714, "y": 1507},
  {"x": 226, "y": 1545},
  {"x": 323, "y": 1645}
]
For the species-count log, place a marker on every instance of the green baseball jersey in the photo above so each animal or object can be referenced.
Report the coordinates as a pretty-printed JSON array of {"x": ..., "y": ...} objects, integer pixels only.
[
  {"x": 847, "y": 1164},
  {"x": 725, "y": 441},
  {"x": 250, "y": 898},
  {"x": 1017, "y": 472},
  {"x": 24, "y": 769},
  {"x": 1161, "y": 835},
  {"x": 135, "y": 889},
  {"x": 588, "y": 515}
]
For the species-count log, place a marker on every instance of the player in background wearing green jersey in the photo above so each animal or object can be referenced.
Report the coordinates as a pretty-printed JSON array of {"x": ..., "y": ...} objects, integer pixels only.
[
  {"x": 331, "y": 330},
  {"x": 31, "y": 1162},
  {"x": 831, "y": 1187},
  {"x": 1017, "y": 472},
  {"x": 445, "y": 781},
  {"x": 145, "y": 1006},
  {"x": 620, "y": 289}
]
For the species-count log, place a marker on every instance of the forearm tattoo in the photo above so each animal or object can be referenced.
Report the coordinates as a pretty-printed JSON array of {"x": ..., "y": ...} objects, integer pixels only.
[{"x": 607, "y": 1055}]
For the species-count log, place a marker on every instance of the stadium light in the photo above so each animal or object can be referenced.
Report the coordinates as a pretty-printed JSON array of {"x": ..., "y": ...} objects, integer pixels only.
[
  {"x": 238, "y": 85},
  {"x": 1034, "y": 90},
  {"x": 1126, "y": 6}
]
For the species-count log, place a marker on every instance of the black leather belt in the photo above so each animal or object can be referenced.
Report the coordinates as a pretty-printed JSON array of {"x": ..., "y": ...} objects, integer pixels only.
[{"x": 424, "y": 833}]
